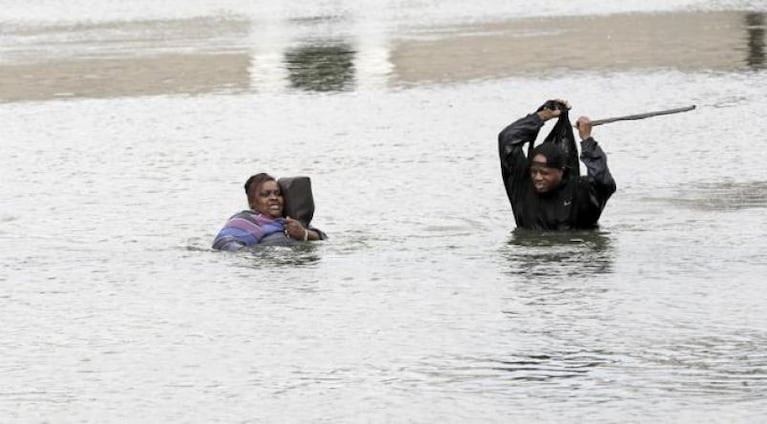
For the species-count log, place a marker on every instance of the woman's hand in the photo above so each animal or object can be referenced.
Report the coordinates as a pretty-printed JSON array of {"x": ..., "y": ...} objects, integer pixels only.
[{"x": 295, "y": 230}]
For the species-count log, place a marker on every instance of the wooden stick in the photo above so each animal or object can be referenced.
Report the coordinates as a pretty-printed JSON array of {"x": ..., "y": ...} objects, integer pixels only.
[{"x": 596, "y": 122}]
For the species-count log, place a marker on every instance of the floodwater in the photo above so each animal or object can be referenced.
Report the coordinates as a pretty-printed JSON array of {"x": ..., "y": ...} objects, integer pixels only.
[{"x": 129, "y": 128}]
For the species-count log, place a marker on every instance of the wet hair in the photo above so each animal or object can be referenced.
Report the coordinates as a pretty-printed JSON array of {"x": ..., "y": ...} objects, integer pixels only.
[
  {"x": 555, "y": 156},
  {"x": 254, "y": 182}
]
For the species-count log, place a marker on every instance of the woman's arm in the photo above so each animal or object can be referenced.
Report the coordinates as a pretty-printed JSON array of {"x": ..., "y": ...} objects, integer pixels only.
[
  {"x": 315, "y": 234},
  {"x": 297, "y": 231}
]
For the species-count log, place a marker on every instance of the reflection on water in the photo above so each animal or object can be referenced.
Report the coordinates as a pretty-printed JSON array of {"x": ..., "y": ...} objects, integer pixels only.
[
  {"x": 233, "y": 54},
  {"x": 106, "y": 60},
  {"x": 323, "y": 67},
  {"x": 575, "y": 43},
  {"x": 572, "y": 254},
  {"x": 755, "y": 29}
]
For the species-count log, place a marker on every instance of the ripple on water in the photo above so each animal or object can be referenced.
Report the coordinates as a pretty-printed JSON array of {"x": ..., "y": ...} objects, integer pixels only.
[
  {"x": 573, "y": 255},
  {"x": 729, "y": 364},
  {"x": 719, "y": 196}
]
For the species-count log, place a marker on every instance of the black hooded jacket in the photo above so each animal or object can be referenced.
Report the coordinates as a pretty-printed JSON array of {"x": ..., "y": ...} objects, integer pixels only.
[{"x": 576, "y": 203}]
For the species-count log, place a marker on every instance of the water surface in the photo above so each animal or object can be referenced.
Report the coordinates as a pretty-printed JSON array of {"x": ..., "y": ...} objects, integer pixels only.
[{"x": 125, "y": 144}]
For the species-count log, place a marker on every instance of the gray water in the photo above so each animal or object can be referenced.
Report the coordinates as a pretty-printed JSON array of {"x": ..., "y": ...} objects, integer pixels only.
[{"x": 125, "y": 143}]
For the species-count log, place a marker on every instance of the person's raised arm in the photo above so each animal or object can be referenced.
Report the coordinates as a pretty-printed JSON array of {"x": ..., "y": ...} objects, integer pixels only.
[
  {"x": 595, "y": 160},
  {"x": 512, "y": 138}
]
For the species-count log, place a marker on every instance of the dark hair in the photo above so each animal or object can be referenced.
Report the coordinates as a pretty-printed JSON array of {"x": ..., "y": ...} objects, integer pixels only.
[
  {"x": 254, "y": 183},
  {"x": 555, "y": 156}
]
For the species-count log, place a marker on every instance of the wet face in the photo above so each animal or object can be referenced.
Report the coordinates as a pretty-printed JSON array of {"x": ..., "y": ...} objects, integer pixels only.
[
  {"x": 544, "y": 178},
  {"x": 268, "y": 199}
]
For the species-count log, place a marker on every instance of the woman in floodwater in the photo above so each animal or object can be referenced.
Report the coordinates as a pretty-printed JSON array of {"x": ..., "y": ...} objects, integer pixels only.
[{"x": 263, "y": 223}]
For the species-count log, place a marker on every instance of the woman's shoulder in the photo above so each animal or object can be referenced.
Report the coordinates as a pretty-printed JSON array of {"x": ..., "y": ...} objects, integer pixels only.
[{"x": 246, "y": 214}]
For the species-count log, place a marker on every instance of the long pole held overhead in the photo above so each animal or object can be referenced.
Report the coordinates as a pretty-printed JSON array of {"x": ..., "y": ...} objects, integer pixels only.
[{"x": 596, "y": 122}]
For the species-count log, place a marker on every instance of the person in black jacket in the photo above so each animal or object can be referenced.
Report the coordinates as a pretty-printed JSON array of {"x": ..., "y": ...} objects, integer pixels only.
[{"x": 545, "y": 189}]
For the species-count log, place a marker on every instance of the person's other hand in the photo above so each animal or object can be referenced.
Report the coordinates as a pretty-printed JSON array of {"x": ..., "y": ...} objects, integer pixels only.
[
  {"x": 584, "y": 127},
  {"x": 294, "y": 229}
]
